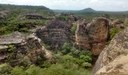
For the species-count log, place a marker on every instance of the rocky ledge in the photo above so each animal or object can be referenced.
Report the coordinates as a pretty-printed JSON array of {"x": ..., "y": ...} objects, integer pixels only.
[{"x": 17, "y": 48}]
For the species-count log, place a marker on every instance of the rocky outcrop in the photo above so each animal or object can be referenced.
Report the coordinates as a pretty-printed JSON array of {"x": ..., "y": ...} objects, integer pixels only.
[
  {"x": 93, "y": 35},
  {"x": 17, "y": 48},
  {"x": 81, "y": 36},
  {"x": 34, "y": 16},
  {"x": 98, "y": 31},
  {"x": 14, "y": 38},
  {"x": 3, "y": 14},
  {"x": 55, "y": 34},
  {"x": 118, "y": 24},
  {"x": 114, "y": 58}
]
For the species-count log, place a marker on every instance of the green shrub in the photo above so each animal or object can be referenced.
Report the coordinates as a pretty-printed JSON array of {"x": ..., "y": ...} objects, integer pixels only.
[
  {"x": 64, "y": 18},
  {"x": 66, "y": 48},
  {"x": 70, "y": 61},
  {"x": 18, "y": 71},
  {"x": 46, "y": 64},
  {"x": 74, "y": 55},
  {"x": 34, "y": 70},
  {"x": 54, "y": 69},
  {"x": 113, "y": 32},
  {"x": 86, "y": 58},
  {"x": 58, "y": 69},
  {"x": 11, "y": 48},
  {"x": 126, "y": 22},
  {"x": 5, "y": 69},
  {"x": 75, "y": 52},
  {"x": 86, "y": 65},
  {"x": 3, "y": 31},
  {"x": 73, "y": 29}
]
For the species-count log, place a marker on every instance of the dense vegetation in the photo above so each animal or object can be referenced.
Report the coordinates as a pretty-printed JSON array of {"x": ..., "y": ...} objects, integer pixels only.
[
  {"x": 68, "y": 61},
  {"x": 14, "y": 20}
]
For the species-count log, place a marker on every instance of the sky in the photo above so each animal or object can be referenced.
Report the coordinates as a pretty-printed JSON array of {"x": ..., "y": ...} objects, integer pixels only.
[{"x": 107, "y": 5}]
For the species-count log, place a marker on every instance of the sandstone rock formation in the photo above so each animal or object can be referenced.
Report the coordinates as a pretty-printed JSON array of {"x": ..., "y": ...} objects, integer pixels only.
[
  {"x": 118, "y": 24},
  {"x": 114, "y": 58},
  {"x": 55, "y": 34},
  {"x": 81, "y": 36},
  {"x": 17, "y": 48},
  {"x": 93, "y": 35},
  {"x": 14, "y": 38},
  {"x": 98, "y": 31}
]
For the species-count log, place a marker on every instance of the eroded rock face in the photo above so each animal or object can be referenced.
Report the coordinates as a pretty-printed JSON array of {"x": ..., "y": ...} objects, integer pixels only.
[
  {"x": 93, "y": 35},
  {"x": 114, "y": 58},
  {"x": 55, "y": 34},
  {"x": 23, "y": 50},
  {"x": 14, "y": 38},
  {"x": 98, "y": 34},
  {"x": 82, "y": 38},
  {"x": 118, "y": 24}
]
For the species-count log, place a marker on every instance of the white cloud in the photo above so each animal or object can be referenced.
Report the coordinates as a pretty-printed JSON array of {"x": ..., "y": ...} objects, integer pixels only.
[{"x": 74, "y": 4}]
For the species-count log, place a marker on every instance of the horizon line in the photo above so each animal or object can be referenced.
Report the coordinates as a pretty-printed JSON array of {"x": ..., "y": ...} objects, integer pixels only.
[{"x": 65, "y": 9}]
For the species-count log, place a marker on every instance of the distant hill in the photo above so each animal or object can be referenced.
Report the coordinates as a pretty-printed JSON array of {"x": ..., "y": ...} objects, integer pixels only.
[
  {"x": 75, "y": 11},
  {"x": 8, "y": 6},
  {"x": 88, "y": 10},
  {"x": 24, "y": 9}
]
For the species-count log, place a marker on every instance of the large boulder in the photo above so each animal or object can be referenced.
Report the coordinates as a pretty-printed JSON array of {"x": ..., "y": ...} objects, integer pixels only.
[
  {"x": 98, "y": 32},
  {"x": 92, "y": 36},
  {"x": 114, "y": 58},
  {"x": 54, "y": 34}
]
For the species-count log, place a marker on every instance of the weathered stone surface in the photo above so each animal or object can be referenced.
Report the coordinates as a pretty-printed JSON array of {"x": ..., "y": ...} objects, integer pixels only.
[
  {"x": 119, "y": 66},
  {"x": 114, "y": 58},
  {"x": 82, "y": 38},
  {"x": 93, "y": 35},
  {"x": 28, "y": 50},
  {"x": 3, "y": 55},
  {"x": 55, "y": 34},
  {"x": 14, "y": 38},
  {"x": 3, "y": 47},
  {"x": 97, "y": 48},
  {"x": 118, "y": 24},
  {"x": 97, "y": 31}
]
